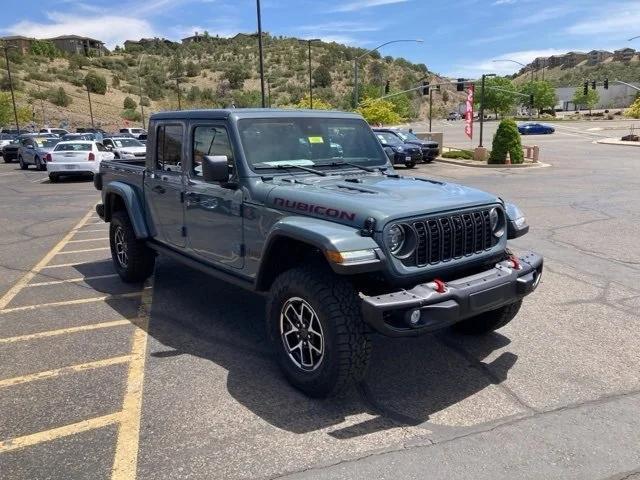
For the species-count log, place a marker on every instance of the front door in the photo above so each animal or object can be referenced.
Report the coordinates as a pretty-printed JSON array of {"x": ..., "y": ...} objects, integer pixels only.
[
  {"x": 213, "y": 211},
  {"x": 164, "y": 185}
]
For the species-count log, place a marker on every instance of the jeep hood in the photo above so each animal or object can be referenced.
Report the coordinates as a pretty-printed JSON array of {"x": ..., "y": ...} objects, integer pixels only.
[{"x": 341, "y": 199}]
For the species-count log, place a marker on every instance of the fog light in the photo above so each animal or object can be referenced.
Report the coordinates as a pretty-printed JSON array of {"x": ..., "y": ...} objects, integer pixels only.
[{"x": 414, "y": 317}]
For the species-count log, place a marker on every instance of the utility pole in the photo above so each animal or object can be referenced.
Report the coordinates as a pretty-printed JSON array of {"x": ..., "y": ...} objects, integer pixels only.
[
  {"x": 178, "y": 90},
  {"x": 13, "y": 97},
  {"x": 42, "y": 106},
  {"x": 90, "y": 109},
  {"x": 484, "y": 76},
  {"x": 310, "y": 82},
  {"x": 140, "y": 90},
  {"x": 269, "y": 92},
  {"x": 260, "y": 54},
  {"x": 430, "y": 106}
]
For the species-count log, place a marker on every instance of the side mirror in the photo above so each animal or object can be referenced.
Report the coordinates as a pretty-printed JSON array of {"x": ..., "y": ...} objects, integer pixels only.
[
  {"x": 215, "y": 168},
  {"x": 517, "y": 224},
  {"x": 30, "y": 147}
]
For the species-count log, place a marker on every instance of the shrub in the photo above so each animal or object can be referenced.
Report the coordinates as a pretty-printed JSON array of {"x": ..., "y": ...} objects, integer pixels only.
[
  {"x": 236, "y": 75},
  {"x": 76, "y": 62},
  {"x": 506, "y": 139},
  {"x": 115, "y": 81},
  {"x": 131, "y": 115},
  {"x": 145, "y": 102},
  {"x": 96, "y": 83},
  {"x": 59, "y": 97},
  {"x": 634, "y": 110},
  {"x": 192, "y": 69},
  {"x": 464, "y": 154},
  {"x": 376, "y": 111},
  {"x": 322, "y": 76},
  {"x": 129, "y": 104}
]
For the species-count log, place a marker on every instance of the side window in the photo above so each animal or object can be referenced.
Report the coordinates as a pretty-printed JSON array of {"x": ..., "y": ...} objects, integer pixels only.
[
  {"x": 101, "y": 147},
  {"x": 210, "y": 140},
  {"x": 169, "y": 148}
]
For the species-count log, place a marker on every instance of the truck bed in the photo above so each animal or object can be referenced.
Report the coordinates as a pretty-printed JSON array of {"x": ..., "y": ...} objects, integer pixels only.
[{"x": 127, "y": 171}]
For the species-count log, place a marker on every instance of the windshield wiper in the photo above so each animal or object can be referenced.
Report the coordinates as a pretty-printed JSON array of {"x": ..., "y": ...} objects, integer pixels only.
[
  {"x": 264, "y": 166},
  {"x": 355, "y": 165}
]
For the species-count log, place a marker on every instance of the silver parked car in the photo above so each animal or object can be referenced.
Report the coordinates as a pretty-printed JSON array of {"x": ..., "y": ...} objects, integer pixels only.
[
  {"x": 125, "y": 148},
  {"x": 33, "y": 151}
]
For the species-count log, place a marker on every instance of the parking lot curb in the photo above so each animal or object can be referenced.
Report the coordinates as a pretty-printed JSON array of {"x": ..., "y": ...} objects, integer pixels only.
[
  {"x": 616, "y": 141},
  {"x": 475, "y": 164}
]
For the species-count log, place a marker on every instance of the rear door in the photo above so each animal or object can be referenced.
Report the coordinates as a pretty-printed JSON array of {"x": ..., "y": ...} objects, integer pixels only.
[
  {"x": 213, "y": 211},
  {"x": 164, "y": 184}
]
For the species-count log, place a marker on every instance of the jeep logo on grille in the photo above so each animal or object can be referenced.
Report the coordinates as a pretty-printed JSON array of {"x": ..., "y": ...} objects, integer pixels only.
[{"x": 317, "y": 209}]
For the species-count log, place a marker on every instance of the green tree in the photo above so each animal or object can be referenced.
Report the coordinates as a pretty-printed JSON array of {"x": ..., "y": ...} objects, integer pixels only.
[
  {"x": 44, "y": 48},
  {"x": 131, "y": 115},
  {"x": 6, "y": 111},
  {"x": 589, "y": 100},
  {"x": 403, "y": 106},
  {"x": 544, "y": 94},
  {"x": 322, "y": 76},
  {"x": 129, "y": 104},
  {"x": 318, "y": 104},
  {"x": 634, "y": 110},
  {"x": 499, "y": 95},
  {"x": 59, "y": 97},
  {"x": 192, "y": 69},
  {"x": 236, "y": 74},
  {"x": 506, "y": 139},
  {"x": 377, "y": 111},
  {"x": 95, "y": 82},
  {"x": 76, "y": 62},
  {"x": 244, "y": 99}
]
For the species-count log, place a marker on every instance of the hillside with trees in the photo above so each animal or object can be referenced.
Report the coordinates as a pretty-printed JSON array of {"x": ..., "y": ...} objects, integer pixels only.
[{"x": 213, "y": 73}]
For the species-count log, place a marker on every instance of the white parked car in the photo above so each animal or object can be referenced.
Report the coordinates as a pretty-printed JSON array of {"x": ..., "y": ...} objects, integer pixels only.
[
  {"x": 125, "y": 148},
  {"x": 56, "y": 131},
  {"x": 78, "y": 157},
  {"x": 134, "y": 132}
]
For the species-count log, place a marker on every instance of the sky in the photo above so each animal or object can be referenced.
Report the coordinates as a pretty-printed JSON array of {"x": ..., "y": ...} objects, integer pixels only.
[{"x": 460, "y": 38}]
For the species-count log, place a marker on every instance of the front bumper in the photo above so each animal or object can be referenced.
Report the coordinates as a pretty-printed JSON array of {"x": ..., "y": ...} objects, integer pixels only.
[
  {"x": 429, "y": 153},
  {"x": 462, "y": 298}
]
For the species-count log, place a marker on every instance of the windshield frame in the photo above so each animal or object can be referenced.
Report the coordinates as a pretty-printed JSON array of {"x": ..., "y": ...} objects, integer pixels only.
[{"x": 375, "y": 159}]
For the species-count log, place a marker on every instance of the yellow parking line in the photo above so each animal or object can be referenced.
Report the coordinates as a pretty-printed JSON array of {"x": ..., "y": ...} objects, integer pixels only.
[
  {"x": 126, "y": 456},
  {"x": 88, "y": 240},
  {"x": 64, "y": 331},
  {"x": 83, "y": 251},
  {"x": 19, "y": 285},
  {"x": 56, "y": 372},
  {"x": 71, "y": 302},
  {"x": 54, "y": 433},
  {"x": 70, "y": 280}
]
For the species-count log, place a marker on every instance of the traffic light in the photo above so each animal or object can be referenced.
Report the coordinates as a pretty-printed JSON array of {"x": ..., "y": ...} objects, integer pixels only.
[
  {"x": 460, "y": 85},
  {"x": 585, "y": 90},
  {"x": 593, "y": 85},
  {"x": 606, "y": 84},
  {"x": 387, "y": 88},
  {"x": 425, "y": 88}
]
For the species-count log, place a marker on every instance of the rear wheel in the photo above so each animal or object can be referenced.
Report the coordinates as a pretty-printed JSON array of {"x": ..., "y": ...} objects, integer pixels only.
[
  {"x": 54, "y": 177},
  {"x": 317, "y": 331},
  {"x": 23, "y": 165},
  {"x": 488, "y": 321},
  {"x": 132, "y": 258},
  {"x": 410, "y": 164},
  {"x": 39, "y": 165}
]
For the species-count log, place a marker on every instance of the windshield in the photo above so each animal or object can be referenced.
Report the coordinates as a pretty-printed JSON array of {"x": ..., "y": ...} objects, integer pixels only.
[
  {"x": 388, "y": 138},
  {"x": 73, "y": 147},
  {"x": 308, "y": 141},
  {"x": 126, "y": 142},
  {"x": 407, "y": 136},
  {"x": 46, "y": 142}
]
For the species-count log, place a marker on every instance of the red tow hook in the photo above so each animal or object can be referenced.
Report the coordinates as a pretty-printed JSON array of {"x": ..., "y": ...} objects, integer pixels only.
[
  {"x": 441, "y": 287},
  {"x": 515, "y": 261}
]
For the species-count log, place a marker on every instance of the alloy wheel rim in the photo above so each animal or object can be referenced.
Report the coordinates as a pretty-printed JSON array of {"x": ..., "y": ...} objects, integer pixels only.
[
  {"x": 301, "y": 333},
  {"x": 120, "y": 247}
]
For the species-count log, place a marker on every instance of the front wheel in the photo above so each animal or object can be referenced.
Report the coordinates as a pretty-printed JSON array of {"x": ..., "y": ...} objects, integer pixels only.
[
  {"x": 317, "y": 331},
  {"x": 488, "y": 321},
  {"x": 410, "y": 164},
  {"x": 23, "y": 165},
  {"x": 132, "y": 258}
]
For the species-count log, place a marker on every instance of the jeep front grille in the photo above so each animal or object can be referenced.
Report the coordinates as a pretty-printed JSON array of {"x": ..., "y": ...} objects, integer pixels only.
[{"x": 440, "y": 239}]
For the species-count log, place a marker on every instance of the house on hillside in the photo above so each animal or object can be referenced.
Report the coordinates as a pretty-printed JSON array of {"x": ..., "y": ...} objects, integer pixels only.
[
  {"x": 147, "y": 42},
  {"x": 571, "y": 59},
  {"x": 197, "y": 38},
  {"x": 598, "y": 56},
  {"x": 76, "y": 44},
  {"x": 23, "y": 44},
  {"x": 624, "y": 54}
]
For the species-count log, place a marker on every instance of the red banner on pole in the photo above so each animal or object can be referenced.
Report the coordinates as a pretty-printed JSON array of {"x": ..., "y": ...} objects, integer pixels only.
[{"x": 468, "y": 114}]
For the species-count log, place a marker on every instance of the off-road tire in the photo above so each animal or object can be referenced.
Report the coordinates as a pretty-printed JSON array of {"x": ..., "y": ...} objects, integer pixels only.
[
  {"x": 140, "y": 258},
  {"x": 488, "y": 321},
  {"x": 23, "y": 165},
  {"x": 347, "y": 347}
]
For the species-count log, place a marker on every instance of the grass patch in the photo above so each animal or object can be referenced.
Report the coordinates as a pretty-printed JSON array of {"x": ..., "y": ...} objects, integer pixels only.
[{"x": 460, "y": 154}]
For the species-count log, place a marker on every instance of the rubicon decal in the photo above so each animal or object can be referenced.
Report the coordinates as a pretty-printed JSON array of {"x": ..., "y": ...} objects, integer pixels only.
[{"x": 317, "y": 209}]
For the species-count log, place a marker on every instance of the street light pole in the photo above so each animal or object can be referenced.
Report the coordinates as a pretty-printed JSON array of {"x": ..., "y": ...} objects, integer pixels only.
[
  {"x": 484, "y": 76},
  {"x": 310, "y": 77},
  {"x": 260, "y": 53},
  {"x": 13, "y": 97},
  {"x": 355, "y": 65},
  {"x": 178, "y": 90},
  {"x": 140, "y": 88}
]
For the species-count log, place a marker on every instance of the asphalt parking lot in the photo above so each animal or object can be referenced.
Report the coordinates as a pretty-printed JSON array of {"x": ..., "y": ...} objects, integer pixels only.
[{"x": 173, "y": 378}]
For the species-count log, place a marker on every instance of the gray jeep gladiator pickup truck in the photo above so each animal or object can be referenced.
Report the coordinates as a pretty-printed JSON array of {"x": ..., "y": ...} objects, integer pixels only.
[{"x": 305, "y": 207}]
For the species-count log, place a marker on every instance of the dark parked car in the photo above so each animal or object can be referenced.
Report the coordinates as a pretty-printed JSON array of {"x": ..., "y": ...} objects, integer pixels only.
[
  {"x": 11, "y": 150},
  {"x": 454, "y": 116},
  {"x": 429, "y": 148},
  {"x": 398, "y": 151},
  {"x": 34, "y": 150},
  {"x": 535, "y": 129}
]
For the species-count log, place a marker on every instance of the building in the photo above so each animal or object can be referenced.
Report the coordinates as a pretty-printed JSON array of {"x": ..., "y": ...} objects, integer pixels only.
[
  {"x": 624, "y": 54},
  {"x": 23, "y": 44},
  {"x": 571, "y": 59},
  {"x": 76, "y": 44},
  {"x": 197, "y": 38},
  {"x": 617, "y": 96},
  {"x": 598, "y": 56}
]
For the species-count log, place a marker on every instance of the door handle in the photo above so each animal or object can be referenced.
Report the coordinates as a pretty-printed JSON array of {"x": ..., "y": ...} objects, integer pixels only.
[{"x": 158, "y": 189}]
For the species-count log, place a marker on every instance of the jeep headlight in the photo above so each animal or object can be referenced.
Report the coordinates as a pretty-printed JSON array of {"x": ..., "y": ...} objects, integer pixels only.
[
  {"x": 401, "y": 240},
  {"x": 496, "y": 222}
]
